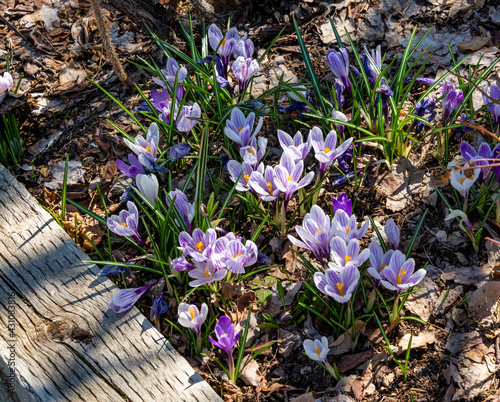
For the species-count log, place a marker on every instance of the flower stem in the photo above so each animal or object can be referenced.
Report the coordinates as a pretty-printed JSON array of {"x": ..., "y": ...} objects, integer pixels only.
[{"x": 334, "y": 373}]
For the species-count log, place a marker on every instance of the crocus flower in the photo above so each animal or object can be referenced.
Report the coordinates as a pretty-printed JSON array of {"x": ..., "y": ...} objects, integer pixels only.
[
  {"x": 425, "y": 109},
  {"x": 179, "y": 151},
  {"x": 6, "y": 83},
  {"x": 338, "y": 88},
  {"x": 494, "y": 108},
  {"x": 183, "y": 207},
  {"x": 317, "y": 350},
  {"x": 339, "y": 116},
  {"x": 158, "y": 308},
  {"x": 181, "y": 264},
  {"x": 325, "y": 151},
  {"x": 206, "y": 272},
  {"x": 240, "y": 173},
  {"x": 378, "y": 261},
  {"x": 339, "y": 64},
  {"x": 244, "y": 48},
  {"x": 186, "y": 118},
  {"x": 316, "y": 233},
  {"x": 339, "y": 285},
  {"x": 346, "y": 254},
  {"x": 147, "y": 148},
  {"x": 148, "y": 186},
  {"x": 253, "y": 153},
  {"x": 464, "y": 224},
  {"x": 191, "y": 317},
  {"x": 244, "y": 69},
  {"x": 296, "y": 145},
  {"x": 463, "y": 180},
  {"x": 125, "y": 223},
  {"x": 399, "y": 274},
  {"x": 223, "y": 44},
  {"x": 386, "y": 93},
  {"x": 133, "y": 170},
  {"x": 289, "y": 174},
  {"x": 264, "y": 184},
  {"x": 234, "y": 255},
  {"x": 170, "y": 75},
  {"x": 452, "y": 100},
  {"x": 124, "y": 299},
  {"x": 345, "y": 226},
  {"x": 226, "y": 339},
  {"x": 371, "y": 66},
  {"x": 239, "y": 129},
  {"x": 342, "y": 203},
  {"x": 392, "y": 232},
  {"x": 484, "y": 156},
  {"x": 199, "y": 247}
]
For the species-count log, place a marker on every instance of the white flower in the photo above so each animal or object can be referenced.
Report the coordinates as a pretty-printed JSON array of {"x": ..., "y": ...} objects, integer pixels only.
[
  {"x": 191, "y": 317},
  {"x": 317, "y": 350},
  {"x": 148, "y": 186},
  {"x": 462, "y": 180}
]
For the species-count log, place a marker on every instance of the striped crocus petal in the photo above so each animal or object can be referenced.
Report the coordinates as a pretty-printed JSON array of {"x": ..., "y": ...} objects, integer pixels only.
[{"x": 124, "y": 299}]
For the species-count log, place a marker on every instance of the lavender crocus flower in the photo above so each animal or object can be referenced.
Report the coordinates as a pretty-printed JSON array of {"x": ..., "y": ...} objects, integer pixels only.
[
  {"x": 371, "y": 66},
  {"x": 253, "y": 153},
  {"x": 148, "y": 186},
  {"x": 452, "y": 100},
  {"x": 484, "y": 156},
  {"x": 346, "y": 254},
  {"x": 146, "y": 148},
  {"x": 133, "y": 170},
  {"x": 399, "y": 274},
  {"x": 206, "y": 272},
  {"x": 234, "y": 255},
  {"x": 343, "y": 203},
  {"x": 183, "y": 207},
  {"x": 244, "y": 69},
  {"x": 6, "y": 82},
  {"x": 339, "y": 64},
  {"x": 158, "y": 308},
  {"x": 288, "y": 176},
  {"x": 339, "y": 285},
  {"x": 392, "y": 232},
  {"x": 226, "y": 338},
  {"x": 186, "y": 118},
  {"x": 181, "y": 264},
  {"x": 124, "y": 299},
  {"x": 424, "y": 108},
  {"x": 494, "y": 108},
  {"x": 179, "y": 151},
  {"x": 264, "y": 184},
  {"x": 338, "y": 88},
  {"x": 200, "y": 246},
  {"x": 125, "y": 223},
  {"x": 223, "y": 44},
  {"x": 378, "y": 261},
  {"x": 346, "y": 226},
  {"x": 244, "y": 48},
  {"x": 191, "y": 317},
  {"x": 296, "y": 145},
  {"x": 239, "y": 129},
  {"x": 240, "y": 173},
  {"x": 325, "y": 151}
]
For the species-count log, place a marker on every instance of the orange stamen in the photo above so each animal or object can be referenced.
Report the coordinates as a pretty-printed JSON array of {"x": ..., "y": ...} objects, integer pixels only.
[
  {"x": 340, "y": 287},
  {"x": 347, "y": 259},
  {"x": 191, "y": 311},
  {"x": 400, "y": 276},
  {"x": 318, "y": 351},
  {"x": 270, "y": 187},
  {"x": 124, "y": 224},
  {"x": 148, "y": 148},
  {"x": 327, "y": 150},
  {"x": 246, "y": 177},
  {"x": 207, "y": 273},
  {"x": 200, "y": 246},
  {"x": 382, "y": 267},
  {"x": 461, "y": 180}
]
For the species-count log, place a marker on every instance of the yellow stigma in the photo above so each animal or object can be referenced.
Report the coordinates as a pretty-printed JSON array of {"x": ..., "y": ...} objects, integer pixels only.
[
  {"x": 247, "y": 176},
  {"x": 148, "y": 148},
  {"x": 191, "y": 311},
  {"x": 237, "y": 255},
  {"x": 318, "y": 351},
  {"x": 289, "y": 178},
  {"x": 400, "y": 276},
  {"x": 461, "y": 180},
  {"x": 207, "y": 273},
  {"x": 327, "y": 150},
  {"x": 124, "y": 224},
  {"x": 340, "y": 287},
  {"x": 251, "y": 150},
  {"x": 239, "y": 128},
  {"x": 223, "y": 335},
  {"x": 270, "y": 187},
  {"x": 223, "y": 42},
  {"x": 317, "y": 230},
  {"x": 347, "y": 259},
  {"x": 200, "y": 247},
  {"x": 382, "y": 267},
  {"x": 347, "y": 230}
]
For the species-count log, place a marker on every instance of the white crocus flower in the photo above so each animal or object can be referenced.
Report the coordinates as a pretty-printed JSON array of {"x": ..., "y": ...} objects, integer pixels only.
[
  {"x": 463, "y": 180},
  {"x": 191, "y": 317},
  {"x": 317, "y": 350}
]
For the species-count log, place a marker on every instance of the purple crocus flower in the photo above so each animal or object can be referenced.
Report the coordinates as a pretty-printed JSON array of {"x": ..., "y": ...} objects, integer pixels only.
[
  {"x": 239, "y": 129},
  {"x": 125, "y": 223},
  {"x": 158, "y": 308},
  {"x": 186, "y": 118},
  {"x": 484, "y": 156},
  {"x": 425, "y": 108},
  {"x": 339, "y": 64},
  {"x": 234, "y": 255},
  {"x": 386, "y": 93},
  {"x": 339, "y": 285},
  {"x": 288, "y": 176},
  {"x": 264, "y": 185},
  {"x": 146, "y": 148},
  {"x": 494, "y": 108},
  {"x": 346, "y": 226},
  {"x": 399, "y": 274},
  {"x": 240, "y": 173},
  {"x": 181, "y": 264},
  {"x": 452, "y": 100},
  {"x": 172, "y": 72},
  {"x": 179, "y": 151},
  {"x": 296, "y": 145},
  {"x": 206, "y": 272},
  {"x": 124, "y": 299},
  {"x": 371, "y": 66},
  {"x": 253, "y": 153},
  {"x": 325, "y": 151},
  {"x": 392, "y": 232},
  {"x": 244, "y": 48},
  {"x": 223, "y": 44},
  {"x": 338, "y": 87},
  {"x": 343, "y": 203},
  {"x": 200, "y": 246},
  {"x": 226, "y": 338},
  {"x": 191, "y": 317},
  {"x": 346, "y": 254},
  {"x": 183, "y": 207},
  {"x": 148, "y": 186},
  {"x": 378, "y": 261},
  {"x": 244, "y": 69},
  {"x": 6, "y": 82},
  {"x": 133, "y": 170}
]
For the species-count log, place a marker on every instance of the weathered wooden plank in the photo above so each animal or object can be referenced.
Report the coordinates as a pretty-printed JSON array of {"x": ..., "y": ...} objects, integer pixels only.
[{"x": 69, "y": 345}]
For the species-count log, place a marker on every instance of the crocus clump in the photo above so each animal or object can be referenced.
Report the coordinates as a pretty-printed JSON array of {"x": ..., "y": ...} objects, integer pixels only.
[{"x": 494, "y": 108}]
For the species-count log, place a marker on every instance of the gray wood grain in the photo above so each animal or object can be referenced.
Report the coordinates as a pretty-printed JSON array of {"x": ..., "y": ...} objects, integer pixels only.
[{"x": 69, "y": 345}]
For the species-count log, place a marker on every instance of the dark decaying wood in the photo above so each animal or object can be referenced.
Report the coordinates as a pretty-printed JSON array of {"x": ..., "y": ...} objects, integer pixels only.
[{"x": 68, "y": 346}]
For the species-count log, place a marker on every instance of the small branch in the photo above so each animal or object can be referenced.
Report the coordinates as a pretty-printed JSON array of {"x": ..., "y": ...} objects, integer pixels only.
[
  {"x": 482, "y": 129},
  {"x": 12, "y": 27}
]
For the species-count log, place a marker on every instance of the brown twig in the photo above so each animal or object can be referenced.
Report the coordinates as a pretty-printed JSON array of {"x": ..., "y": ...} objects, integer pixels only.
[
  {"x": 12, "y": 27},
  {"x": 482, "y": 129}
]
